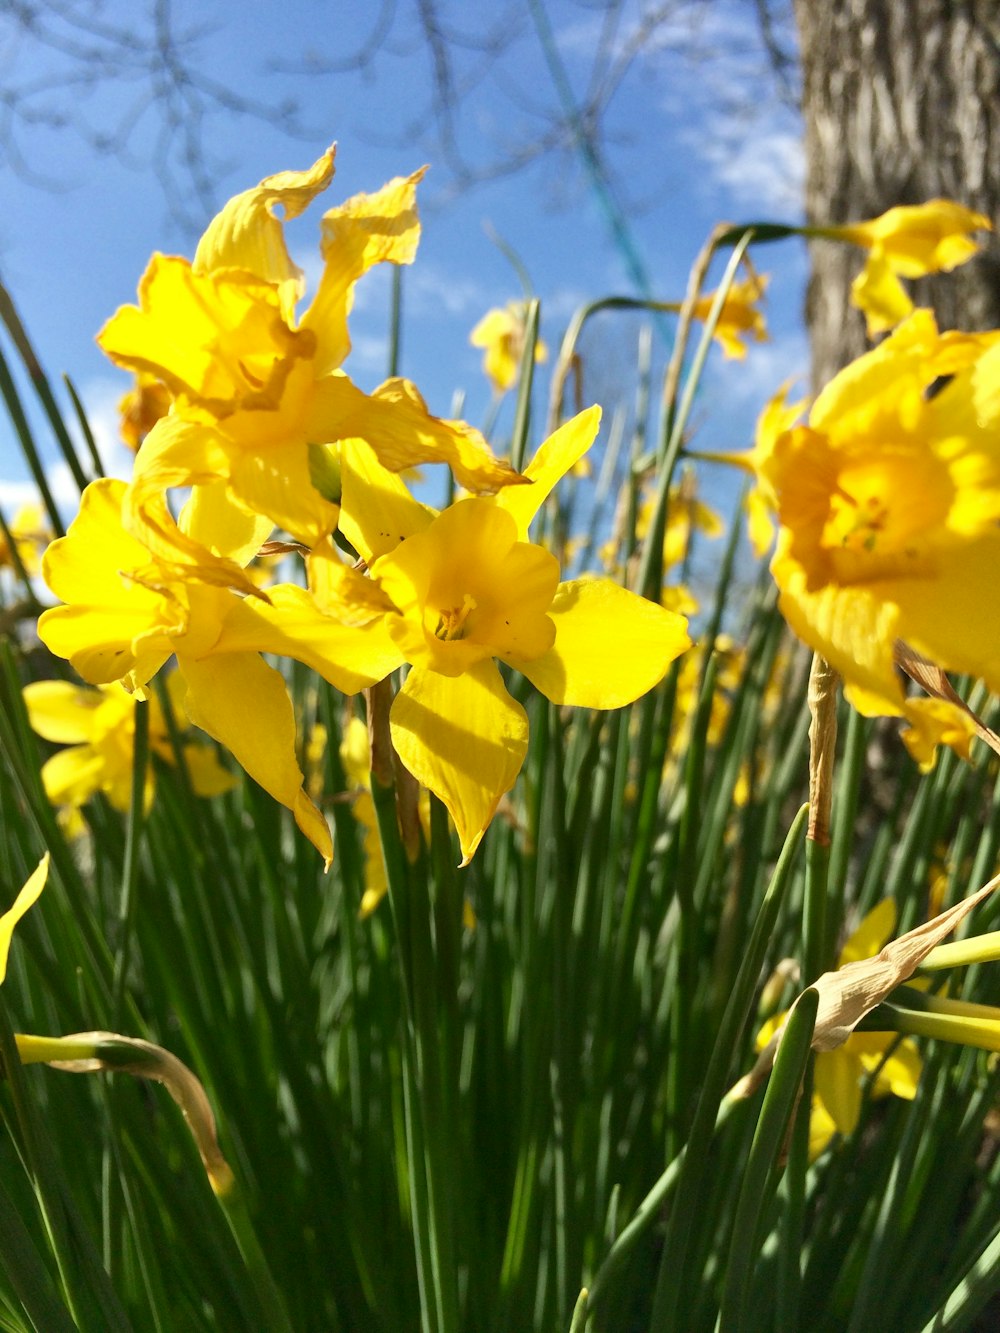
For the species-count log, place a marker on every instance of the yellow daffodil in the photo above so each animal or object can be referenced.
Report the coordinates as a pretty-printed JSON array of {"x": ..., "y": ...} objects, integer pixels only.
[
  {"x": 31, "y": 534},
  {"x": 501, "y": 333},
  {"x": 888, "y": 505},
  {"x": 740, "y": 318},
  {"x": 99, "y": 727},
  {"x": 258, "y": 391},
  {"x": 469, "y": 587},
  {"x": 906, "y": 242},
  {"x": 126, "y": 613},
  {"x": 27, "y": 897},
  {"x": 839, "y": 1075},
  {"x": 141, "y": 408}
]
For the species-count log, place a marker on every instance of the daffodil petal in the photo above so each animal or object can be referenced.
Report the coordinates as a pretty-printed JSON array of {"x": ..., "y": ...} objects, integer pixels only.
[
  {"x": 208, "y": 777},
  {"x": 72, "y": 776},
  {"x": 464, "y": 738},
  {"x": 99, "y": 642},
  {"x": 212, "y": 338},
  {"x": 836, "y": 1079},
  {"x": 213, "y": 519},
  {"x": 243, "y": 703},
  {"x": 564, "y": 448},
  {"x": 349, "y": 657},
  {"x": 396, "y": 423},
  {"x": 900, "y": 1074},
  {"x": 611, "y": 646},
  {"x": 878, "y": 292},
  {"x": 366, "y": 230},
  {"x": 274, "y": 478},
  {"x": 59, "y": 711},
  {"x": 875, "y": 928},
  {"x": 248, "y": 234},
  {"x": 377, "y": 510},
  {"x": 28, "y": 895}
]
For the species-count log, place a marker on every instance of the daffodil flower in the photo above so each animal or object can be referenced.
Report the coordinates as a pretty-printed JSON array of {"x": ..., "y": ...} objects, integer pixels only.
[
  {"x": 501, "y": 333},
  {"x": 98, "y": 726},
  {"x": 840, "y": 1075},
  {"x": 27, "y": 897},
  {"x": 469, "y": 587},
  {"x": 31, "y": 534},
  {"x": 888, "y": 507},
  {"x": 906, "y": 242},
  {"x": 258, "y": 391},
  {"x": 740, "y": 318},
  {"x": 126, "y": 613}
]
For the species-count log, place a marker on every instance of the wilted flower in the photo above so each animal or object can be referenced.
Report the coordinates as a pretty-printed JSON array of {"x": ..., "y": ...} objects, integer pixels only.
[{"x": 840, "y": 1074}]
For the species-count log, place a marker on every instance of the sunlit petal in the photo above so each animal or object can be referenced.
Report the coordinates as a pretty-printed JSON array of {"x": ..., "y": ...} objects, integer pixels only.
[
  {"x": 554, "y": 458},
  {"x": 611, "y": 646},
  {"x": 243, "y": 703},
  {"x": 292, "y": 625},
  {"x": 25, "y": 899},
  {"x": 248, "y": 233},
  {"x": 837, "y": 1084},
  {"x": 464, "y": 738},
  {"x": 60, "y": 711},
  {"x": 366, "y": 230}
]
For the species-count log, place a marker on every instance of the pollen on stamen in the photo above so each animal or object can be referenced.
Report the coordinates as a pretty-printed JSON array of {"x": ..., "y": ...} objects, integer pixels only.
[{"x": 453, "y": 624}]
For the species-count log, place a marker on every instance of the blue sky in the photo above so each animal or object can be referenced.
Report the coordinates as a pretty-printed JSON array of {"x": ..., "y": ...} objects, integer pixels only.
[{"x": 695, "y": 135}]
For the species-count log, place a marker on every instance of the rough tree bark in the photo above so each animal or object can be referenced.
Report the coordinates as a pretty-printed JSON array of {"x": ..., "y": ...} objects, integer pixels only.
[{"x": 901, "y": 100}]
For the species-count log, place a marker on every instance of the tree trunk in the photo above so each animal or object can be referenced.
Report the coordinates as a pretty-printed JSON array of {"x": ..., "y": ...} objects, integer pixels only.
[{"x": 901, "y": 100}]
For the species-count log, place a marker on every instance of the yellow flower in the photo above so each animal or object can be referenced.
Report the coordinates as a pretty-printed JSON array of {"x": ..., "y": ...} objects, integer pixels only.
[
  {"x": 906, "y": 242},
  {"x": 31, "y": 534},
  {"x": 126, "y": 613},
  {"x": 355, "y": 755},
  {"x": 501, "y": 333},
  {"x": 469, "y": 587},
  {"x": 257, "y": 391},
  {"x": 739, "y": 318},
  {"x": 888, "y": 504},
  {"x": 25, "y": 899},
  {"x": 141, "y": 408},
  {"x": 686, "y": 514},
  {"x": 99, "y": 727},
  {"x": 839, "y": 1075}
]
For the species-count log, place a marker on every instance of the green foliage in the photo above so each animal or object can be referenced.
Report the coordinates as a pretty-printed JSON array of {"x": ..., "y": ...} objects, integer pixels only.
[{"x": 449, "y": 1128}]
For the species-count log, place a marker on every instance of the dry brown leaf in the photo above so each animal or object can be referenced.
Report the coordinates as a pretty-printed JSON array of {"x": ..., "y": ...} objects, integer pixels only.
[
  {"x": 854, "y": 990},
  {"x": 932, "y": 679}
]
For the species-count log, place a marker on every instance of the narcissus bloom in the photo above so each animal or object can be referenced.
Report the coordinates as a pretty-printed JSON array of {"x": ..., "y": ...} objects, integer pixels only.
[
  {"x": 840, "y": 1075},
  {"x": 98, "y": 725},
  {"x": 501, "y": 333},
  {"x": 906, "y": 242},
  {"x": 31, "y": 534},
  {"x": 127, "y": 613},
  {"x": 888, "y": 506},
  {"x": 259, "y": 391},
  {"x": 469, "y": 587},
  {"x": 25, "y": 899},
  {"x": 740, "y": 318}
]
